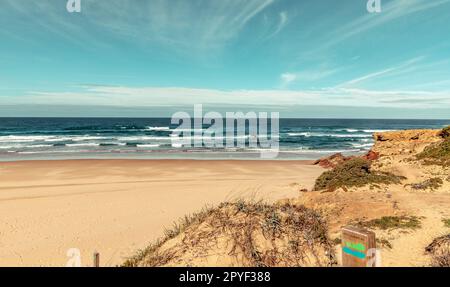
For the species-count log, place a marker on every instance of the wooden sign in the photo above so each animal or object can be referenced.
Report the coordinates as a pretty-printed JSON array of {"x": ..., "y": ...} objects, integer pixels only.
[{"x": 358, "y": 247}]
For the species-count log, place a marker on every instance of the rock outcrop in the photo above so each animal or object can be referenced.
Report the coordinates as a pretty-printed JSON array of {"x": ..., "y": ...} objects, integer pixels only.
[{"x": 404, "y": 142}]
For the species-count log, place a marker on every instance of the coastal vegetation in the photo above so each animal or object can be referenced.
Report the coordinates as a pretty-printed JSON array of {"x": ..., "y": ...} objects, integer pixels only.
[
  {"x": 439, "y": 250},
  {"x": 356, "y": 172},
  {"x": 446, "y": 222},
  {"x": 243, "y": 234},
  {"x": 393, "y": 222},
  {"x": 432, "y": 183},
  {"x": 438, "y": 153}
]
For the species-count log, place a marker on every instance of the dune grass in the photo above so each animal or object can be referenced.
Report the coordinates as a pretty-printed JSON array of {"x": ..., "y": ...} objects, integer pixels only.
[
  {"x": 439, "y": 250},
  {"x": 244, "y": 225}
]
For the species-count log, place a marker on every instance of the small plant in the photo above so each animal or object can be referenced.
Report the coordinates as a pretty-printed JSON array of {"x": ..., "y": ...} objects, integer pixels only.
[
  {"x": 241, "y": 206},
  {"x": 393, "y": 222},
  {"x": 384, "y": 243},
  {"x": 337, "y": 241},
  {"x": 446, "y": 222},
  {"x": 445, "y": 133},
  {"x": 432, "y": 183},
  {"x": 355, "y": 172},
  {"x": 272, "y": 223}
]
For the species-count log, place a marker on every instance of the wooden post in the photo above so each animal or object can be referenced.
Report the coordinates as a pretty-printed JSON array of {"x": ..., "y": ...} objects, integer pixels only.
[
  {"x": 96, "y": 259},
  {"x": 358, "y": 247}
]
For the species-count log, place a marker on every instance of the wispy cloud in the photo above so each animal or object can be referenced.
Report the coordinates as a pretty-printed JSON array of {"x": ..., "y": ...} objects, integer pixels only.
[
  {"x": 287, "y": 79},
  {"x": 391, "y": 11},
  {"x": 97, "y": 95},
  {"x": 307, "y": 76},
  {"x": 403, "y": 67},
  {"x": 176, "y": 24},
  {"x": 283, "y": 20}
]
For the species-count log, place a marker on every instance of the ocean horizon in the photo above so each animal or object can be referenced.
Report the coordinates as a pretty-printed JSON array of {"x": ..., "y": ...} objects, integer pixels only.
[{"x": 150, "y": 138}]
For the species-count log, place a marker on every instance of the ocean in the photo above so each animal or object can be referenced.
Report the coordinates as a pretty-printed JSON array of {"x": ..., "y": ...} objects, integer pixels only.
[{"x": 150, "y": 138}]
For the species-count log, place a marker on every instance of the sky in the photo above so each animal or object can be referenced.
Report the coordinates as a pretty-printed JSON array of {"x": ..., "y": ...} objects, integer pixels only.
[{"x": 303, "y": 58}]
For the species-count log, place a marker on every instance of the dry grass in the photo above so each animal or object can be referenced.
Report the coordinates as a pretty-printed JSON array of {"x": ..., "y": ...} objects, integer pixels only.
[
  {"x": 356, "y": 172},
  {"x": 178, "y": 227},
  {"x": 382, "y": 242},
  {"x": 432, "y": 183},
  {"x": 251, "y": 234},
  {"x": 440, "y": 251}
]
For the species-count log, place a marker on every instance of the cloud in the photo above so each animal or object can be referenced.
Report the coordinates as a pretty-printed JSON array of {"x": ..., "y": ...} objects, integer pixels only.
[
  {"x": 287, "y": 78},
  {"x": 401, "y": 68},
  {"x": 308, "y": 76},
  {"x": 394, "y": 10},
  {"x": 118, "y": 96},
  {"x": 363, "y": 24},
  {"x": 283, "y": 20},
  {"x": 177, "y": 24}
]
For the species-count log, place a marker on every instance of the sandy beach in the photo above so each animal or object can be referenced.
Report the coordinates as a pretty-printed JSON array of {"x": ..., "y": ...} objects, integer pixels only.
[{"x": 116, "y": 207}]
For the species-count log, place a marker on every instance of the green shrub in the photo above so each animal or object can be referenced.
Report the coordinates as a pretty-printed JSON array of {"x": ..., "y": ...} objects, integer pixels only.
[
  {"x": 446, "y": 222},
  {"x": 353, "y": 173},
  {"x": 445, "y": 133},
  {"x": 438, "y": 154},
  {"x": 393, "y": 222}
]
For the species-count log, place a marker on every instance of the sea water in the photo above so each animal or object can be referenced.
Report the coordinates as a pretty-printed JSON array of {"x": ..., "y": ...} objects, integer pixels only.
[{"x": 147, "y": 138}]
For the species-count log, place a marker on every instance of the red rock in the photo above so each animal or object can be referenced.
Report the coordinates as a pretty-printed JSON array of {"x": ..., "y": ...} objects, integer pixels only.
[
  {"x": 371, "y": 155},
  {"x": 332, "y": 161}
]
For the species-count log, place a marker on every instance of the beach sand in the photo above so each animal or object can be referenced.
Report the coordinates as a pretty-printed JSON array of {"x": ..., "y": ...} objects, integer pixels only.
[{"x": 116, "y": 207}]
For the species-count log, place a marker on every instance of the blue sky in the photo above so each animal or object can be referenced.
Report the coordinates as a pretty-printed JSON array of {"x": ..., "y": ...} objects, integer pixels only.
[{"x": 304, "y": 58}]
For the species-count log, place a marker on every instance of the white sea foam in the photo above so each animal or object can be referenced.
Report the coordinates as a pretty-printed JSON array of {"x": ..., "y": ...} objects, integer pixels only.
[
  {"x": 18, "y": 139},
  {"x": 142, "y": 138},
  {"x": 311, "y": 134},
  {"x": 362, "y": 145},
  {"x": 148, "y": 145},
  {"x": 158, "y": 128},
  {"x": 306, "y": 134},
  {"x": 7, "y": 147},
  {"x": 377, "y": 131},
  {"x": 39, "y": 146},
  {"x": 82, "y": 144},
  {"x": 88, "y": 138}
]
